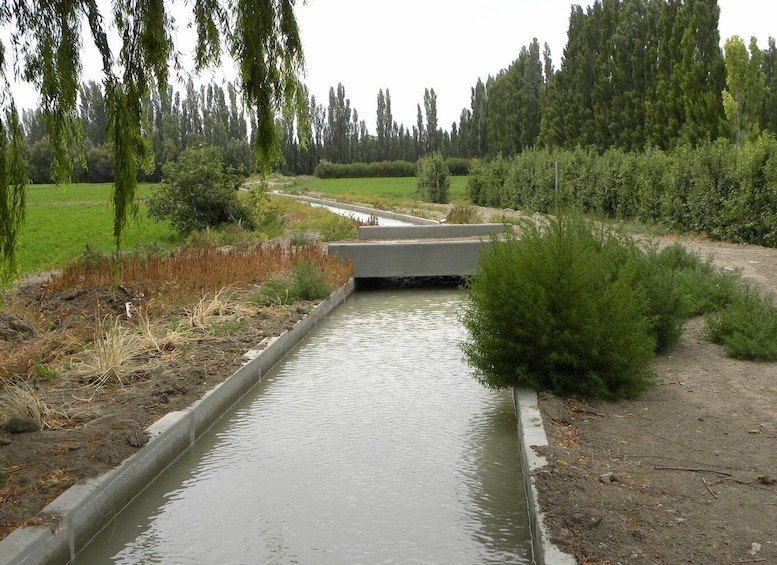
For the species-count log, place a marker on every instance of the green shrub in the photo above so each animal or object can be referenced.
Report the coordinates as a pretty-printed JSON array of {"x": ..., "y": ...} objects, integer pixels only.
[
  {"x": 274, "y": 291},
  {"x": 747, "y": 327},
  {"x": 458, "y": 166},
  {"x": 463, "y": 215},
  {"x": 338, "y": 228},
  {"x": 309, "y": 282},
  {"x": 560, "y": 310},
  {"x": 304, "y": 282},
  {"x": 196, "y": 193},
  {"x": 486, "y": 181},
  {"x": 700, "y": 285},
  {"x": 664, "y": 306},
  {"x": 433, "y": 182}
]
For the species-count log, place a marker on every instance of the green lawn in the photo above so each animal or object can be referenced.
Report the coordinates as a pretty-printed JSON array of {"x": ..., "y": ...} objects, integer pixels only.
[
  {"x": 386, "y": 191},
  {"x": 61, "y": 222},
  {"x": 81, "y": 192}
]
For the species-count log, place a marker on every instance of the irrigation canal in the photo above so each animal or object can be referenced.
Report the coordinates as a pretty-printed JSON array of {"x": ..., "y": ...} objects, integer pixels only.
[{"x": 368, "y": 443}]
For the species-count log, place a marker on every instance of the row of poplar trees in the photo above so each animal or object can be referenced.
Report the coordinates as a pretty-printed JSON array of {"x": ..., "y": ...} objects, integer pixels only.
[
  {"x": 634, "y": 74},
  {"x": 209, "y": 115}
]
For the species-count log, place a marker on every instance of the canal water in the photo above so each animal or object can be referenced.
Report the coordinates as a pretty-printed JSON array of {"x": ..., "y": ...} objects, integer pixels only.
[{"x": 370, "y": 443}]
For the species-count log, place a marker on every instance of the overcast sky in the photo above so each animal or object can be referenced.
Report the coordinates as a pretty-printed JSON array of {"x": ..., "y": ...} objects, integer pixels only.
[
  {"x": 406, "y": 46},
  {"x": 409, "y": 45}
]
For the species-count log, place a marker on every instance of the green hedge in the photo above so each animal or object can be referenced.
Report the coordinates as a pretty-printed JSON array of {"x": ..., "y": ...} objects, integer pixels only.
[
  {"x": 383, "y": 169},
  {"x": 726, "y": 192}
]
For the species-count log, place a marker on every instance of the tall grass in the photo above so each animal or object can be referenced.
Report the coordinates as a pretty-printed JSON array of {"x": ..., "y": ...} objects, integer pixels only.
[{"x": 196, "y": 270}]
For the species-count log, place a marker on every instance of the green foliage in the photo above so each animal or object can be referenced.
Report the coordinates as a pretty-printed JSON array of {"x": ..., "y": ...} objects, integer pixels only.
[
  {"x": 304, "y": 282},
  {"x": 195, "y": 193},
  {"x": 380, "y": 169},
  {"x": 716, "y": 188},
  {"x": 636, "y": 75},
  {"x": 513, "y": 117},
  {"x": 12, "y": 193},
  {"x": 432, "y": 181},
  {"x": 745, "y": 88},
  {"x": 749, "y": 212},
  {"x": 561, "y": 310},
  {"x": 463, "y": 215},
  {"x": 747, "y": 327}
]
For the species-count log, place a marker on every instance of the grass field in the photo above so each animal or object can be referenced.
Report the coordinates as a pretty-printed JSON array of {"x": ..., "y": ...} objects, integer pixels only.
[
  {"x": 61, "y": 222},
  {"x": 381, "y": 191}
]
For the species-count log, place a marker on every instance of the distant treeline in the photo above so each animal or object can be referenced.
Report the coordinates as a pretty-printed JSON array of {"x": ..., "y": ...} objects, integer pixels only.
[
  {"x": 635, "y": 74},
  {"x": 383, "y": 169}
]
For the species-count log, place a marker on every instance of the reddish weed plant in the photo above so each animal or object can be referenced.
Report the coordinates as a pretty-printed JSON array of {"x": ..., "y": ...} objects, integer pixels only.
[{"x": 195, "y": 270}]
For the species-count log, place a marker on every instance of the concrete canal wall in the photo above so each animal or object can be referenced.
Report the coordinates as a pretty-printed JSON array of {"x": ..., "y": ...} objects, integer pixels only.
[{"x": 84, "y": 508}]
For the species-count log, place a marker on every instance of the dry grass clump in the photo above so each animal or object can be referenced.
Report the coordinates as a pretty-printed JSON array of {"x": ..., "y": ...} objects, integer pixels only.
[
  {"x": 113, "y": 351},
  {"x": 30, "y": 359},
  {"x": 218, "y": 305},
  {"x": 19, "y": 398}
]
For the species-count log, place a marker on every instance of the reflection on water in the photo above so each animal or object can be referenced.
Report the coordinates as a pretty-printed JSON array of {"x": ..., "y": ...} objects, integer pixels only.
[
  {"x": 361, "y": 216},
  {"x": 369, "y": 444}
]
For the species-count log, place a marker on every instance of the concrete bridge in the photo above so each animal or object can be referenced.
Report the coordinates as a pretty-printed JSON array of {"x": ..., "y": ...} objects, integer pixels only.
[{"x": 441, "y": 250}]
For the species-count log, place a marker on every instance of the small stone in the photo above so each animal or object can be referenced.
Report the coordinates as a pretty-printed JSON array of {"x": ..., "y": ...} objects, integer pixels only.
[
  {"x": 609, "y": 478},
  {"x": 21, "y": 425},
  {"x": 137, "y": 438}
]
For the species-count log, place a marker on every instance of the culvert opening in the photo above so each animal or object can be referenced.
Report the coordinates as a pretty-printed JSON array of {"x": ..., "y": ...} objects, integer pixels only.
[{"x": 414, "y": 283}]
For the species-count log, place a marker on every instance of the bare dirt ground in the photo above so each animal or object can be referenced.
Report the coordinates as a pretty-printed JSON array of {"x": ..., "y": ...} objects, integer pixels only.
[
  {"x": 88, "y": 429},
  {"x": 685, "y": 474}
]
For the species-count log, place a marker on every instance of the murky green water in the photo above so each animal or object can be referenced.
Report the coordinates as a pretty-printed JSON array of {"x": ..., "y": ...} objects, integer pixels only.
[{"x": 370, "y": 443}]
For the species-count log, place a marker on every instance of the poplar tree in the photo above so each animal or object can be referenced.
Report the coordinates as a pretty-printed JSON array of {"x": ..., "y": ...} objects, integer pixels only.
[
  {"x": 338, "y": 125},
  {"x": 744, "y": 93},
  {"x": 42, "y": 45},
  {"x": 433, "y": 137},
  {"x": 769, "y": 70}
]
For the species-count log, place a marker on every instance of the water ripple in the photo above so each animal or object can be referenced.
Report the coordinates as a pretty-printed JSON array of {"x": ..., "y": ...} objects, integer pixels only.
[{"x": 369, "y": 443}]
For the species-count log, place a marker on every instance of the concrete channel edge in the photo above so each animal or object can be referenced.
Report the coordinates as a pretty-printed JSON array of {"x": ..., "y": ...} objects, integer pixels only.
[
  {"x": 361, "y": 209},
  {"x": 531, "y": 434},
  {"x": 81, "y": 511}
]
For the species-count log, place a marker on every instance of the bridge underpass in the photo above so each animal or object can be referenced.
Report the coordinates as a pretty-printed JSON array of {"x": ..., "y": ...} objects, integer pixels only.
[{"x": 444, "y": 250}]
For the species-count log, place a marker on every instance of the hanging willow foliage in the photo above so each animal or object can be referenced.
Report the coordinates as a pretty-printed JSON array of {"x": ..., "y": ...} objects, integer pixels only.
[{"x": 44, "y": 46}]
